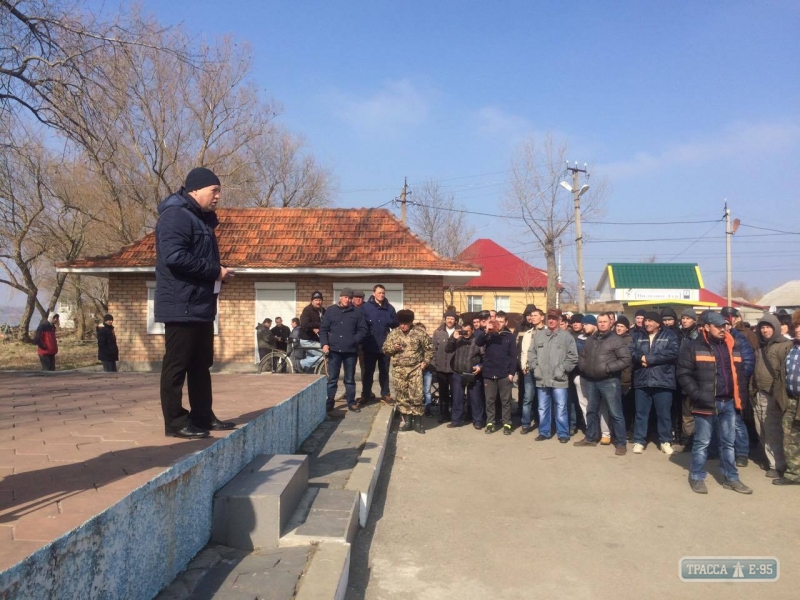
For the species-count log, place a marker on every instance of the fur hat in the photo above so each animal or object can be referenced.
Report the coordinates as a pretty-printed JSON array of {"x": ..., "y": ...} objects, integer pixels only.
[{"x": 405, "y": 316}]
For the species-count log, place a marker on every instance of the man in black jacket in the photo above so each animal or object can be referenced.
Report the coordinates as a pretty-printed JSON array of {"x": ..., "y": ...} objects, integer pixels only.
[
  {"x": 188, "y": 280},
  {"x": 443, "y": 362},
  {"x": 342, "y": 329},
  {"x": 466, "y": 376},
  {"x": 498, "y": 368},
  {"x": 107, "y": 350},
  {"x": 310, "y": 320},
  {"x": 281, "y": 333},
  {"x": 601, "y": 362},
  {"x": 711, "y": 372}
]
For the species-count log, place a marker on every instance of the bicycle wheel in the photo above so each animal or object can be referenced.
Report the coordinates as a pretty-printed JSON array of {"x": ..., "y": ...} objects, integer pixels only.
[
  {"x": 322, "y": 367},
  {"x": 275, "y": 362}
]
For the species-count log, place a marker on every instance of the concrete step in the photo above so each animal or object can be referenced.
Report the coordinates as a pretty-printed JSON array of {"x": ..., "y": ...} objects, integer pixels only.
[
  {"x": 254, "y": 508},
  {"x": 326, "y": 574},
  {"x": 323, "y": 515}
]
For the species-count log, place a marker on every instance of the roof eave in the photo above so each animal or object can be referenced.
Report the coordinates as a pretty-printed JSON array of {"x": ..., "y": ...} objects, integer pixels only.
[{"x": 459, "y": 276}]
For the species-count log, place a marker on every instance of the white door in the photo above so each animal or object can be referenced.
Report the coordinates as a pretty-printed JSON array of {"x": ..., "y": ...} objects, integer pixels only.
[{"x": 274, "y": 300}]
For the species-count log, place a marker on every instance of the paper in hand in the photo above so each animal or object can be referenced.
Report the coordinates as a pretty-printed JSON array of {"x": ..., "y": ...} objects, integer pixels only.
[{"x": 217, "y": 287}]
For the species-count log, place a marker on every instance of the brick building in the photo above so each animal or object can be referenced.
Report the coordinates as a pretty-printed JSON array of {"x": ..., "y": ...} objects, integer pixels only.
[{"x": 281, "y": 256}]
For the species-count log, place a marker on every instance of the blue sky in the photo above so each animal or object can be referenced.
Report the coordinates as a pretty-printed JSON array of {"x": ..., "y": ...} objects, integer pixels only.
[{"x": 680, "y": 105}]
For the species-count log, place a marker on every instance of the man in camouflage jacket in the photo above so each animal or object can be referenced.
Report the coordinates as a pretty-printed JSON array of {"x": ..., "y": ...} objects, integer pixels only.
[{"x": 411, "y": 351}]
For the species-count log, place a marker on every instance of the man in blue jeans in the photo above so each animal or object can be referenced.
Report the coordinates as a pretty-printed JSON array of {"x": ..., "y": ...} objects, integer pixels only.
[
  {"x": 551, "y": 357},
  {"x": 711, "y": 372},
  {"x": 341, "y": 331},
  {"x": 653, "y": 353},
  {"x": 601, "y": 361}
]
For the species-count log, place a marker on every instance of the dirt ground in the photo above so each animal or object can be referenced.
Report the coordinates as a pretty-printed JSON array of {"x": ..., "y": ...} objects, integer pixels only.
[{"x": 72, "y": 354}]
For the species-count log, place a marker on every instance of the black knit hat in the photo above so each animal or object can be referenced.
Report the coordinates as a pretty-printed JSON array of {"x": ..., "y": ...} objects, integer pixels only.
[
  {"x": 576, "y": 318},
  {"x": 640, "y": 313},
  {"x": 624, "y": 320},
  {"x": 652, "y": 315},
  {"x": 668, "y": 311},
  {"x": 108, "y": 317},
  {"x": 199, "y": 178}
]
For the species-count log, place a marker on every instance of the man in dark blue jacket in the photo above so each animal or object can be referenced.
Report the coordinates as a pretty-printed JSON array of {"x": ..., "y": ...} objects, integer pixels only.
[
  {"x": 381, "y": 318},
  {"x": 342, "y": 329},
  {"x": 188, "y": 279},
  {"x": 498, "y": 368},
  {"x": 654, "y": 352}
]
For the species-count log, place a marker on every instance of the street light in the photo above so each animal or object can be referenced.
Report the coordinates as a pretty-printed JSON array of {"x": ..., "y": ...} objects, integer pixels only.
[{"x": 568, "y": 187}]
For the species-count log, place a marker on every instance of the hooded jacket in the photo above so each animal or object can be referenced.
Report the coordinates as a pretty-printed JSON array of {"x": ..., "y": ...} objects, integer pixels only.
[
  {"x": 661, "y": 357},
  {"x": 265, "y": 337},
  {"x": 107, "y": 349},
  {"x": 187, "y": 261},
  {"x": 626, "y": 376},
  {"x": 552, "y": 356},
  {"x": 701, "y": 374},
  {"x": 381, "y": 318},
  {"x": 770, "y": 359},
  {"x": 45, "y": 339},
  {"x": 499, "y": 355},
  {"x": 603, "y": 356}
]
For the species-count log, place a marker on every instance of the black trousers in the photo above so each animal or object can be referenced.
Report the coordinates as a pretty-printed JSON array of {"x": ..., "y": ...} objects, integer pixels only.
[
  {"x": 494, "y": 387},
  {"x": 445, "y": 381},
  {"x": 48, "y": 362},
  {"x": 368, "y": 374},
  {"x": 109, "y": 366},
  {"x": 189, "y": 351}
]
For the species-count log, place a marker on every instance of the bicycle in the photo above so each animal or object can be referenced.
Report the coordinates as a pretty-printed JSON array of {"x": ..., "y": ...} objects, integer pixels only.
[{"x": 280, "y": 362}]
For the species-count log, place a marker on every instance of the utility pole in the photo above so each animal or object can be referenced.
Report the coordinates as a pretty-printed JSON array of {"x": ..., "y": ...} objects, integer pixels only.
[
  {"x": 403, "y": 195},
  {"x": 728, "y": 235},
  {"x": 576, "y": 195},
  {"x": 558, "y": 277}
]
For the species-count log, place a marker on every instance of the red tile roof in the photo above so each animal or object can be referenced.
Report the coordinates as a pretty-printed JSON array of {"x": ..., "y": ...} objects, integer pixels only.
[
  {"x": 500, "y": 268},
  {"x": 285, "y": 238}
]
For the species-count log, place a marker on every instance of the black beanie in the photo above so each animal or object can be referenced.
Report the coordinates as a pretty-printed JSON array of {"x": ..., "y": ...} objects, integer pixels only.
[
  {"x": 624, "y": 320},
  {"x": 640, "y": 313},
  {"x": 653, "y": 315},
  {"x": 199, "y": 178}
]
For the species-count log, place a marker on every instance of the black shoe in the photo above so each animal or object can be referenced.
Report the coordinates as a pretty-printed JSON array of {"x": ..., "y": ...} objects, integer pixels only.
[
  {"x": 524, "y": 430},
  {"x": 573, "y": 431},
  {"x": 419, "y": 426},
  {"x": 698, "y": 486},
  {"x": 353, "y": 408},
  {"x": 478, "y": 426},
  {"x": 563, "y": 440},
  {"x": 772, "y": 474},
  {"x": 584, "y": 442},
  {"x": 428, "y": 410},
  {"x": 217, "y": 425},
  {"x": 453, "y": 425},
  {"x": 506, "y": 429},
  {"x": 187, "y": 432},
  {"x": 541, "y": 438},
  {"x": 741, "y": 461},
  {"x": 784, "y": 481},
  {"x": 490, "y": 428}
]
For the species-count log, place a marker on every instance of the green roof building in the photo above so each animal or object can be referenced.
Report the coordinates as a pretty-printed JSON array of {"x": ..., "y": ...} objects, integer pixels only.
[{"x": 640, "y": 284}]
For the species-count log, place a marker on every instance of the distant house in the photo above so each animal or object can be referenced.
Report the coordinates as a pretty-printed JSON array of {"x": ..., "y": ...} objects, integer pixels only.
[
  {"x": 281, "y": 256},
  {"x": 506, "y": 282},
  {"x": 785, "y": 297}
]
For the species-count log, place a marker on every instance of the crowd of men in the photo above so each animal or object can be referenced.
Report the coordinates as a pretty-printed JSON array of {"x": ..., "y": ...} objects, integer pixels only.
[{"x": 696, "y": 381}]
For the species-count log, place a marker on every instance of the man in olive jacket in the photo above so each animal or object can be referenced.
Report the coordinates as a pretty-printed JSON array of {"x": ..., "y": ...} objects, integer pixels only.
[
  {"x": 601, "y": 362},
  {"x": 552, "y": 356}
]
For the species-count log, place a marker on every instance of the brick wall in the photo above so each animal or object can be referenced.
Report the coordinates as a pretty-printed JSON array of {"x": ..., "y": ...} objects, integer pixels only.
[{"x": 128, "y": 303}]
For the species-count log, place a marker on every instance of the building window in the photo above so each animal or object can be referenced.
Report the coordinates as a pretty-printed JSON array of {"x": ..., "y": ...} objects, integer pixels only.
[
  {"x": 155, "y": 328},
  {"x": 474, "y": 303},
  {"x": 502, "y": 303}
]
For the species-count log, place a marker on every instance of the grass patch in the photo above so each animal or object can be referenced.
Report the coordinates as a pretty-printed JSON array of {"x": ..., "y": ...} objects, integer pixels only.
[{"x": 72, "y": 354}]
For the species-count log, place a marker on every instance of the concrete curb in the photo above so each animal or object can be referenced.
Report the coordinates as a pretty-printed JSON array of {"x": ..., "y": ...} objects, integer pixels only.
[
  {"x": 328, "y": 569},
  {"x": 365, "y": 474}
]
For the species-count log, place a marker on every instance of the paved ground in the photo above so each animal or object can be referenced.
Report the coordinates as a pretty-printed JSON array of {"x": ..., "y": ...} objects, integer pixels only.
[
  {"x": 461, "y": 514},
  {"x": 73, "y": 444}
]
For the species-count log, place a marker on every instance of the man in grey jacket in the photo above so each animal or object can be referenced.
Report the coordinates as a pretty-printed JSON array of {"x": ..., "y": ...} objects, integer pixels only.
[
  {"x": 551, "y": 357},
  {"x": 603, "y": 358}
]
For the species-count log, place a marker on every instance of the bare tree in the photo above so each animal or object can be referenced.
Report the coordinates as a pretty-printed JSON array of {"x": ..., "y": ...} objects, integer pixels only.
[
  {"x": 546, "y": 210},
  {"x": 739, "y": 289},
  {"x": 437, "y": 218}
]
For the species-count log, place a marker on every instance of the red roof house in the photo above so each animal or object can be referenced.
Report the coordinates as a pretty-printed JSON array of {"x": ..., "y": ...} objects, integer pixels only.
[
  {"x": 506, "y": 281},
  {"x": 281, "y": 256}
]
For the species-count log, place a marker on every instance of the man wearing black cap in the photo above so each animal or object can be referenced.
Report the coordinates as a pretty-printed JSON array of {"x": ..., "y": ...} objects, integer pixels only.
[
  {"x": 310, "y": 320},
  {"x": 443, "y": 352},
  {"x": 107, "y": 350},
  {"x": 638, "y": 321},
  {"x": 654, "y": 353},
  {"x": 341, "y": 331},
  {"x": 711, "y": 372},
  {"x": 188, "y": 280}
]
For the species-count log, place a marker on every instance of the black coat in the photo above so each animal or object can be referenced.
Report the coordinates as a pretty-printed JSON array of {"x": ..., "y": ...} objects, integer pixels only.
[
  {"x": 187, "y": 261},
  {"x": 500, "y": 354},
  {"x": 343, "y": 329},
  {"x": 107, "y": 349},
  {"x": 603, "y": 355},
  {"x": 283, "y": 332},
  {"x": 698, "y": 372},
  {"x": 466, "y": 354},
  {"x": 310, "y": 319}
]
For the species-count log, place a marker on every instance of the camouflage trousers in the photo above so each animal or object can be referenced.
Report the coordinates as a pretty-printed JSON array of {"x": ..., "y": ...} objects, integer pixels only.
[
  {"x": 407, "y": 390},
  {"x": 791, "y": 440}
]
